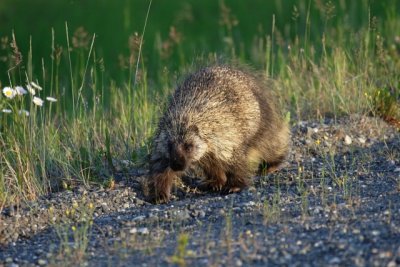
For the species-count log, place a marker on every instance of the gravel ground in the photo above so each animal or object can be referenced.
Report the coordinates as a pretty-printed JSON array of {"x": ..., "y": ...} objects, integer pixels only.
[{"x": 336, "y": 202}]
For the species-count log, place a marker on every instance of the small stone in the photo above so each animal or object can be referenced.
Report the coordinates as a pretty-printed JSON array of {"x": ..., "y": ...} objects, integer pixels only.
[
  {"x": 318, "y": 209},
  {"x": 385, "y": 254},
  {"x": 250, "y": 204},
  {"x": 202, "y": 214},
  {"x": 397, "y": 169},
  {"x": 139, "y": 202},
  {"x": 318, "y": 244},
  {"x": 143, "y": 231},
  {"x": 105, "y": 207},
  {"x": 9, "y": 260},
  {"x": 362, "y": 140},
  {"x": 139, "y": 218},
  {"x": 347, "y": 140},
  {"x": 133, "y": 230},
  {"x": 375, "y": 233},
  {"x": 42, "y": 262},
  {"x": 238, "y": 263},
  {"x": 182, "y": 215},
  {"x": 334, "y": 260}
]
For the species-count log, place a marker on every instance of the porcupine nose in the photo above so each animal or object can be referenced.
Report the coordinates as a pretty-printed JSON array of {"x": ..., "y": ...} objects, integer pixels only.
[{"x": 177, "y": 160}]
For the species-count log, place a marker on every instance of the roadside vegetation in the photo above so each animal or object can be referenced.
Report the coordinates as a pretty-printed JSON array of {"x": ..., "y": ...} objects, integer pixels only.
[{"x": 67, "y": 118}]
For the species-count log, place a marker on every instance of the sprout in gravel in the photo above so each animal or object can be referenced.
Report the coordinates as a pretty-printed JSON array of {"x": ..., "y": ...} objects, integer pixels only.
[
  {"x": 38, "y": 101},
  {"x": 9, "y": 92}
]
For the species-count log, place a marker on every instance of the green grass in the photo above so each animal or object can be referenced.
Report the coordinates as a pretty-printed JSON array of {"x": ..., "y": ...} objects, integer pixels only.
[{"x": 326, "y": 58}]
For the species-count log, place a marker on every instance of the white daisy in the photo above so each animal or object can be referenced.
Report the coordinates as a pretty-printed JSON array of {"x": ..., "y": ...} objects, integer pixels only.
[
  {"x": 9, "y": 92},
  {"x": 5, "y": 110},
  {"x": 30, "y": 89},
  {"x": 20, "y": 90},
  {"x": 36, "y": 86},
  {"x": 23, "y": 112},
  {"x": 37, "y": 101},
  {"x": 51, "y": 99}
]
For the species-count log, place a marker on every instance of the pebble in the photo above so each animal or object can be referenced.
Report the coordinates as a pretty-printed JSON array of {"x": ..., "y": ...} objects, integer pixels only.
[
  {"x": 375, "y": 233},
  {"x": 318, "y": 244},
  {"x": 143, "y": 231},
  {"x": 182, "y": 215},
  {"x": 138, "y": 218},
  {"x": 42, "y": 262},
  {"x": 347, "y": 140},
  {"x": 238, "y": 263},
  {"x": 362, "y": 140},
  {"x": 334, "y": 260}
]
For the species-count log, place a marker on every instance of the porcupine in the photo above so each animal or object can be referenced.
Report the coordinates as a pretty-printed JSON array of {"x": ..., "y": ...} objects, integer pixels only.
[{"x": 221, "y": 119}]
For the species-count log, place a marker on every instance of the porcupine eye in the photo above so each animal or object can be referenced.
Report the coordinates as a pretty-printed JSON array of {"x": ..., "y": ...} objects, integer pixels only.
[{"x": 188, "y": 147}]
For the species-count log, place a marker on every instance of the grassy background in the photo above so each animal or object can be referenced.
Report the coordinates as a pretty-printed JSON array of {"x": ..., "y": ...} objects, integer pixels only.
[{"x": 328, "y": 58}]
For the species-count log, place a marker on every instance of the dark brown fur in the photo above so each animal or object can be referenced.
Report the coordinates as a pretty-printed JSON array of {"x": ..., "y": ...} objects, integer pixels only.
[{"x": 221, "y": 119}]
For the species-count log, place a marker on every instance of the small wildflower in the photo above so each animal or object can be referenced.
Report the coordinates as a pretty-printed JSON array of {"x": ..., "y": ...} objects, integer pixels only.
[
  {"x": 23, "y": 112},
  {"x": 38, "y": 101},
  {"x": 91, "y": 206},
  {"x": 5, "y": 110},
  {"x": 67, "y": 212},
  {"x": 9, "y": 92},
  {"x": 36, "y": 86},
  {"x": 317, "y": 142},
  {"x": 65, "y": 185},
  {"x": 300, "y": 169},
  {"x": 51, "y": 99},
  {"x": 75, "y": 204},
  {"x": 20, "y": 90},
  {"x": 73, "y": 228},
  {"x": 30, "y": 89}
]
